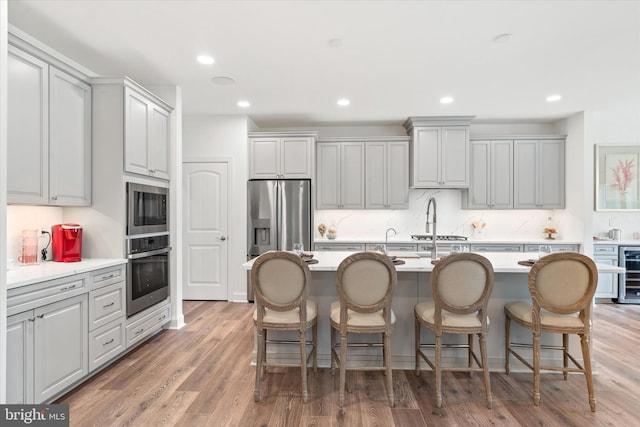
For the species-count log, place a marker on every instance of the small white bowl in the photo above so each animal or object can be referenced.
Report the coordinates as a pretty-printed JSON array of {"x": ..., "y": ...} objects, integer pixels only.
[{"x": 331, "y": 236}]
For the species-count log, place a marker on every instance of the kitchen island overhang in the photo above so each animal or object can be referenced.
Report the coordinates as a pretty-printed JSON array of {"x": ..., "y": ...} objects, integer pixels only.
[{"x": 510, "y": 284}]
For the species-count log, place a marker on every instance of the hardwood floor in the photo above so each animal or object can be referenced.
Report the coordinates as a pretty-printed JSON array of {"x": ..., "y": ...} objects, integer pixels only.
[{"x": 201, "y": 376}]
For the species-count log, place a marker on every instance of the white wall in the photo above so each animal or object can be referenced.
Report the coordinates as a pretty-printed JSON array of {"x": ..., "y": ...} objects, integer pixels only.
[
  {"x": 215, "y": 137},
  {"x": 20, "y": 217},
  {"x": 3, "y": 198}
]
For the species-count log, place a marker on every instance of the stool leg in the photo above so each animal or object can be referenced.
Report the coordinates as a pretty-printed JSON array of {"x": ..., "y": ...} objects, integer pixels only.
[
  {"x": 565, "y": 354},
  {"x": 485, "y": 368},
  {"x": 470, "y": 352},
  {"x": 536, "y": 368},
  {"x": 303, "y": 365},
  {"x": 333, "y": 349},
  {"x": 438, "y": 372},
  {"x": 584, "y": 342},
  {"x": 416, "y": 330},
  {"x": 343, "y": 368},
  {"x": 256, "y": 393},
  {"x": 507, "y": 343},
  {"x": 387, "y": 364},
  {"x": 314, "y": 339}
]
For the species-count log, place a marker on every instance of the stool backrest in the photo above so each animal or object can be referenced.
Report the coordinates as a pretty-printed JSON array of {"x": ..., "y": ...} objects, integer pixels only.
[
  {"x": 461, "y": 283},
  {"x": 563, "y": 283}
]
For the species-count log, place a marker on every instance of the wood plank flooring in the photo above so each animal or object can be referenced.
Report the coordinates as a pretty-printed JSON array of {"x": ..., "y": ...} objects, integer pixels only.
[{"x": 201, "y": 376}]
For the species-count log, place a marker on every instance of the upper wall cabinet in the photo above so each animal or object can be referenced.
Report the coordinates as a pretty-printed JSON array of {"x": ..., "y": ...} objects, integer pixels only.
[
  {"x": 49, "y": 132},
  {"x": 341, "y": 178},
  {"x": 387, "y": 174},
  {"x": 146, "y": 134},
  {"x": 439, "y": 151},
  {"x": 539, "y": 168},
  {"x": 281, "y": 155},
  {"x": 491, "y": 185}
]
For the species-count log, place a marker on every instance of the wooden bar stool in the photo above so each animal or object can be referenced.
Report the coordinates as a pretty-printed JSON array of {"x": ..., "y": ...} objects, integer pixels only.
[
  {"x": 365, "y": 282},
  {"x": 461, "y": 285},
  {"x": 279, "y": 282},
  {"x": 562, "y": 286}
]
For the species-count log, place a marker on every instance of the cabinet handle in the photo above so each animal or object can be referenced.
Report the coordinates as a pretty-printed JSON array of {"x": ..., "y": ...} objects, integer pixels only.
[
  {"x": 108, "y": 342},
  {"x": 139, "y": 332},
  {"x": 151, "y": 171},
  {"x": 66, "y": 288},
  {"x": 164, "y": 316},
  {"x": 33, "y": 319},
  {"x": 40, "y": 316},
  {"x": 54, "y": 197},
  {"x": 108, "y": 305},
  {"x": 107, "y": 277}
]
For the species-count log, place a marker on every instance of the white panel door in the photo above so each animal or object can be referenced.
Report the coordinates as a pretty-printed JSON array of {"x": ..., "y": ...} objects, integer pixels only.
[
  {"x": 205, "y": 249},
  {"x": 136, "y": 123}
]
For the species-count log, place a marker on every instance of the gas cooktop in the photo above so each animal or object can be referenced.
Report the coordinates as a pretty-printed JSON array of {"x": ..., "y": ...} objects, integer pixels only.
[{"x": 449, "y": 237}]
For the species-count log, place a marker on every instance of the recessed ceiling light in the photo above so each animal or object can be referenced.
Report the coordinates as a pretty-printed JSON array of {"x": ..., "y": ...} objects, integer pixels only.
[
  {"x": 554, "y": 98},
  {"x": 205, "y": 59},
  {"x": 244, "y": 104},
  {"x": 223, "y": 80},
  {"x": 335, "y": 43},
  {"x": 343, "y": 102},
  {"x": 503, "y": 38},
  {"x": 446, "y": 100}
]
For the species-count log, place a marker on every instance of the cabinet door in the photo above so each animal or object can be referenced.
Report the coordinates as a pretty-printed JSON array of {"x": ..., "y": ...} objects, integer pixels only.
[
  {"x": 397, "y": 170},
  {"x": 296, "y": 157},
  {"x": 526, "y": 165},
  {"x": 136, "y": 134},
  {"x": 27, "y": 128},
  {"x": 479, "y": 194},
  {"x": 60, "y": 346},
  {"x": 607, "y": 282},
  {"x": 352, "y": 175},
  {"x": 20, "y": 358},
  {"x": 376, "y": 172},
  {"x": 551, "y": 174},
  {"x": 264, "y": 158},
  {"x": 328, "y": 175},
  {"x": 426, "y": 164},
  {"x": 158, "y": 142},
  {"x": 454, "y": 157},
  {"x": 69, "y": 140},
  {"x": 501, "y": 174}
]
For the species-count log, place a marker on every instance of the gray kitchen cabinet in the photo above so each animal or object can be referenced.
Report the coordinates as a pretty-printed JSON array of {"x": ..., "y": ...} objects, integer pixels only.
[
  {"x": 555, "y": 247},
  {"x": 49, "y": 134},
  {"x": 495, "y": 247},
  {"x": 274, "y": 155},
  {"x": 20, "y": 358},
  {"x": 107, "y": 315},
  {"x": 539, "y": 173},
  {"x": 387, "y": 174},
  {"x": 439, "y": 150},
  {"x": 340, "y": 180},
  {"x": 346, "y": 247},
  {"x": 607, "y": 282},
  {"x": 146, "y": 323},
  {"x": 491, "y": 184},
  {"x": 146, "y": 134}
]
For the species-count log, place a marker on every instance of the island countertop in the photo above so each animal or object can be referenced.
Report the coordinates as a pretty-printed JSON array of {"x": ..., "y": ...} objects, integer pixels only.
[{"x": 503, "y": 262}]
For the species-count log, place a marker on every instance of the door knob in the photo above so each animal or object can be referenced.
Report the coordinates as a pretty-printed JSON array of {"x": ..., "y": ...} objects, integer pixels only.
[{"x": 223, "y": 238}]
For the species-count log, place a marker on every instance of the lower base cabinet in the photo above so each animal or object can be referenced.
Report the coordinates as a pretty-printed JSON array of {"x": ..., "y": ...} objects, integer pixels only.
[
  {"x": 105, "y": 343},
  {"x": 145, "y": 324},
  {"x": 47, "y": 350}
]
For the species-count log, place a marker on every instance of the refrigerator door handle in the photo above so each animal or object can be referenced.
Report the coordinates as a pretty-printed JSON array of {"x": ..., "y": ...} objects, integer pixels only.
[{"x": 278, "y": 224}]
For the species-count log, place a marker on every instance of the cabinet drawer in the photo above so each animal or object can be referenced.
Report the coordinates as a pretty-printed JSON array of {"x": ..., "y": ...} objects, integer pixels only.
[
  {"x": 554, "y": 248},
  {"x": 106, "y": 304},
  {"x": 146, "y": 325},
  {"x": 32, "y": 296},
  {"x": 346, "y": 247},
  {"x": 107, "y": 276},
  {"x": 496, "y": 248},
  {"x": 400, "y": 247},
  {"x": 105, "y": 343},
  {"x": 611, "y": 250}
]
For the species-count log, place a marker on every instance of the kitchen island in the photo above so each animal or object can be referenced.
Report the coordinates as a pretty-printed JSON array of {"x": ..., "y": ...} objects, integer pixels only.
[{"x": 510, "y": 284}]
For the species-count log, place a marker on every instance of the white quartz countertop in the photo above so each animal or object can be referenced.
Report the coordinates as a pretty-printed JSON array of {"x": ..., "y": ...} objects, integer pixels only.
[
  {"x": 18, "y": 275},
  {"x": 502, "y": 262},
  {"x": 470, "y": 240}
]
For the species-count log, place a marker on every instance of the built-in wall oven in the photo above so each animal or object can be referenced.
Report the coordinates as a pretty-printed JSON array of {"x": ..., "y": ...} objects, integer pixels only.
[
  {"x": 147, "y": 209},
  {"x": 629, "y": 281},
  {"x": 147, "y": 272}
]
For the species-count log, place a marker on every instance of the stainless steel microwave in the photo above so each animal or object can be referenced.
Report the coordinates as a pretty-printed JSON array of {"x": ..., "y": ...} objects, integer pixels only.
[{"x": 147, "y": 209}]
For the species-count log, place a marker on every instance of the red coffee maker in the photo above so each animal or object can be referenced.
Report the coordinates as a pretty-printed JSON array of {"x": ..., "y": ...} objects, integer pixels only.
[{"x": 66, "y": 242}]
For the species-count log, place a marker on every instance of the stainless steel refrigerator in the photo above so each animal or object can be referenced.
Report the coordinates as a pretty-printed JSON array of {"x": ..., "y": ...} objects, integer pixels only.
[{"x": 279, "y": 215}]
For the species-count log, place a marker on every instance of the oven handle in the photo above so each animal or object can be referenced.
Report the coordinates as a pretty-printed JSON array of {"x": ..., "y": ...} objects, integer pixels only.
[{"x": 150, "y": 253}]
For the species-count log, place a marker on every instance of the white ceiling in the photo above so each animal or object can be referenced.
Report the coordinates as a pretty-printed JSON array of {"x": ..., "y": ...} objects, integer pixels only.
[{"x": 397, "y": 58}]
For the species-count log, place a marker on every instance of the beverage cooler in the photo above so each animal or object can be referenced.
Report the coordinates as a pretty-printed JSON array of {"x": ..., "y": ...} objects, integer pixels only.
[{"x": 629, "y": 282}]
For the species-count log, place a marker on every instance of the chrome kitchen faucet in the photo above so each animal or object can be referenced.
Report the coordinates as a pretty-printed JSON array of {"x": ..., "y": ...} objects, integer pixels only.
[
  {"x": 434, "y": 248},
  {"x": 386, "y": 237}
]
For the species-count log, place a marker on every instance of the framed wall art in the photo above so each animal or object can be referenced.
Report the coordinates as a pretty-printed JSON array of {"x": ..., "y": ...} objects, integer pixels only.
[{"x": 617, "y": 178}]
